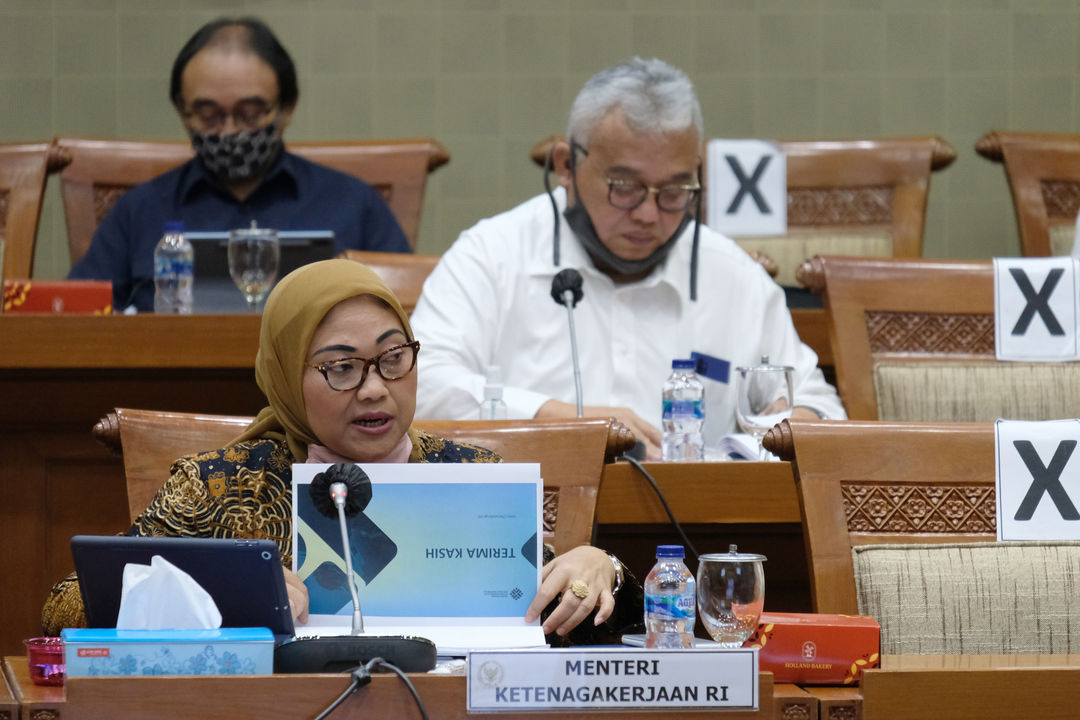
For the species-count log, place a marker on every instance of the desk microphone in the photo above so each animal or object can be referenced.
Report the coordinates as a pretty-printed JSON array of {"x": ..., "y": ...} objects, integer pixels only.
[
  {"x": 566, "y": 290},
  {"x": 342, "y": 491}
]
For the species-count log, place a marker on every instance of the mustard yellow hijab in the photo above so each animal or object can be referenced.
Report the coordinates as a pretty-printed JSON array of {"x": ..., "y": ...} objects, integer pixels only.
[{"x": 293, "y": 311}]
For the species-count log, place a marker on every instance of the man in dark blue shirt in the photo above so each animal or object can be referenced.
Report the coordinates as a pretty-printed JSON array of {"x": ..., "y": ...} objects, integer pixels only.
[{"x": 235, "y": 89}]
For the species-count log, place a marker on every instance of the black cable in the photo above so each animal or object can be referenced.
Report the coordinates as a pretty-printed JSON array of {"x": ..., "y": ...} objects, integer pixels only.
[
  {"x": 663, "y": 501},
  {"x": 551, "y": 196},
  {"x": 408, "y": 683},
  {"x": 360, "y": 676}
]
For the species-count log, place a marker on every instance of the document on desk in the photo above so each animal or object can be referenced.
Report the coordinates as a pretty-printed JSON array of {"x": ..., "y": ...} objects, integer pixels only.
[{"x": 450, "y": 552}]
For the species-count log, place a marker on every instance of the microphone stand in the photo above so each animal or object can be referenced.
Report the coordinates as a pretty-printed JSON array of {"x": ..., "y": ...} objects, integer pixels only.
[
  {"x": 568, "y": 300},
  {"x": 338, "y": 492}
]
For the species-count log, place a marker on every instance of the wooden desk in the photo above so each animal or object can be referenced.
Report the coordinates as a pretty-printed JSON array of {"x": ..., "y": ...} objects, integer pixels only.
[
  {"x": 720, "y": 492},
  {"x": 58, "y": 376},
  {"x": 972, "y": 687},
  {"x": 9, "y": 705},
  {"x": 288, "y": 696}
]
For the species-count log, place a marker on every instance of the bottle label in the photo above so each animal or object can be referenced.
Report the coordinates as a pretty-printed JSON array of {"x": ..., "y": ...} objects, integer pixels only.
[
  {"x": 676, "y": 607},
  {"x": 170, "y": 266},
  {"x": 684, "y": 408}
]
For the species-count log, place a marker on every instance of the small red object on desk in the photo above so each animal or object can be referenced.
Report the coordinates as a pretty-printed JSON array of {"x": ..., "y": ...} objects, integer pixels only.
[
  {"x": 58, "y": 296},
  {"x": 815, "y": 648},
  {"x": 45, "y": 656}
]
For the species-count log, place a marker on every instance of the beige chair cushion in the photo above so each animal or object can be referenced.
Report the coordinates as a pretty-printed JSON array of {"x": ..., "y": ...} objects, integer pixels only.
[
  {"x": 980, "y": 391},
  {"x": 972, "y": 598},
  {"x": 789, "y": 251},
  {"x": 1061, "y": 238}
]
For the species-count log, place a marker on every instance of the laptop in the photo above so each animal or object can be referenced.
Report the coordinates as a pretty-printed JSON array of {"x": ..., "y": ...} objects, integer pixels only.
[
  {"x": 242, "y": 576},
  {"x": 214, "y": 290}
]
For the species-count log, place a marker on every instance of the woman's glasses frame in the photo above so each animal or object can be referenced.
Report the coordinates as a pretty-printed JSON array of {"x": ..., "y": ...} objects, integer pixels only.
[{"x": 376, "y": 362}]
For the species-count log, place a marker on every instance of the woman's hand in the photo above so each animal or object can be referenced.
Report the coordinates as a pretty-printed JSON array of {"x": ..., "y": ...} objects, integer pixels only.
[
  {"x": 298, "y": 596},
  {"x": 588, "y": 564}
]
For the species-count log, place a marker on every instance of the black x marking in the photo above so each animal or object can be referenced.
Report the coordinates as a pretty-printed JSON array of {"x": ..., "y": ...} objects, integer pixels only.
[
  {"x": 1046, "y": 480},
  {"x": 748, "y": 185},
  {"x": 1037, "y": 302}
]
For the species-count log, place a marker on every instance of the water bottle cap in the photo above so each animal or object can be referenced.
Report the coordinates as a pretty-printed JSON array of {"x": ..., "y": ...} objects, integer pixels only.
[
  {"x": 174, "y": 226},
  {"x": 493, "y": 386},
  {"x": 683, "y": 364},
  {"x": 670, "y": 551}
]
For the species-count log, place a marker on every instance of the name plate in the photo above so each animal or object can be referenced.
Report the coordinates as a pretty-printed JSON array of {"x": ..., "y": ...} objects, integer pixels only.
[{"x": 609, "y": 678}]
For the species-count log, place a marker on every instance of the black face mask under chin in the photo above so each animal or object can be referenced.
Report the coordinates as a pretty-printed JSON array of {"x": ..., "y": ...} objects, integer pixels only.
[{"x": 577, "y": 217}]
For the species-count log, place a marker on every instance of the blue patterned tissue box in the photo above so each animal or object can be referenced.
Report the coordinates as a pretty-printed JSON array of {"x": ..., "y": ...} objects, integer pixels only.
[{"x": 226, "y": 651}]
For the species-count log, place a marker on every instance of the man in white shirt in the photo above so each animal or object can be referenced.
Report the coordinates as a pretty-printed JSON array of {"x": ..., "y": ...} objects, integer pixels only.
[{"x": 656, "y": 285}]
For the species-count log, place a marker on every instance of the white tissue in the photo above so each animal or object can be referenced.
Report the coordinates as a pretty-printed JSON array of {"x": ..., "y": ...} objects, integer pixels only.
[{"x": 161, "y": 596}]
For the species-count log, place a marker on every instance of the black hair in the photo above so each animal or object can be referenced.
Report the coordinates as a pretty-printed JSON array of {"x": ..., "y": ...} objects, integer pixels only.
[{"x": 261, "y": 41}]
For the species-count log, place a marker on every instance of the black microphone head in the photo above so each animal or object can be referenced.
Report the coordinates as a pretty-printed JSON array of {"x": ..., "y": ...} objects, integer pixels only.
[
  {"x": 356, "y": 481},
  {"x": 568, "y": 279}
]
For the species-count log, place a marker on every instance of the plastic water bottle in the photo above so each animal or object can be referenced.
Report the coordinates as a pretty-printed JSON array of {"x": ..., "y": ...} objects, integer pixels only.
[
  {"x": 670, "y": 601},
  {"x": 493, "y": 407},
  {"x": 683, "y": 414},
  {"x": 173, "y": 271}
]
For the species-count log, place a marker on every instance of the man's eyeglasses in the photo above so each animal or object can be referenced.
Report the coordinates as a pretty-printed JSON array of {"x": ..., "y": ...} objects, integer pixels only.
[
  {"x": 350, "y": 373},
  {"x": 246, "y": 115},
  {"x": 627, "y": 194}
]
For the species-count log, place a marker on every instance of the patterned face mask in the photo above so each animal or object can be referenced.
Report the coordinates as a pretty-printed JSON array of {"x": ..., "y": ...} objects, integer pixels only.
[{"x": 240, "y": 156}]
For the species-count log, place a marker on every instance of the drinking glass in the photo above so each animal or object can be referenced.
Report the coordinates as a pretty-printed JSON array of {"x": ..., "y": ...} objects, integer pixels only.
[
  {"x": 730, "y": 595},
  {"x": 254, "y": 254},
  {"x": 765, "y": 396}
]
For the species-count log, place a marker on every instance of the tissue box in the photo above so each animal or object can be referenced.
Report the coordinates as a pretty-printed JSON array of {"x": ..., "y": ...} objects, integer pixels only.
[
  {"x": 816, "y": 649},
  {"x": 226, "y": 651},
  {"x": 58, "y": 296}
]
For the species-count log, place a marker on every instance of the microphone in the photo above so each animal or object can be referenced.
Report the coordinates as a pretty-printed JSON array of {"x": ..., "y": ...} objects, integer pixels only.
[
  {"x": 343, "y": 491},
  {"x": 566, "y": 290}
]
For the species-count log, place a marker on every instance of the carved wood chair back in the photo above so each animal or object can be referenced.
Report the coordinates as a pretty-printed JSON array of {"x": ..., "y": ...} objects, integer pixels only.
[
  {"x": 100, "y": 171},
  {"x": 571, "y": 454},
  {"x": 1043, "y": 170},
  {"x": 403, "y": 273},
  {"x": 868, "y": 483},
  {"x": 847, "y": 197},
  {"x": 23, "y": 174},
  {"x": 910, "y": 311}
]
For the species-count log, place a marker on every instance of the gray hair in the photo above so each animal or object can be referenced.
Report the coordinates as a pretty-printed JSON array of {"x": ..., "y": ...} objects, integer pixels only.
[{"x": 654, "y": 96}]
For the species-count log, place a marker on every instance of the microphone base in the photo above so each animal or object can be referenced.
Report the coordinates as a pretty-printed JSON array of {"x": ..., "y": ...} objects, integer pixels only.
[{"x": 341, "y": 653}]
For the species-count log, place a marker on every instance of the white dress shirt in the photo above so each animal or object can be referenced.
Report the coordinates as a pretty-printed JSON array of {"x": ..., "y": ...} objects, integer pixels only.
[{"x": 488, "y": 302}]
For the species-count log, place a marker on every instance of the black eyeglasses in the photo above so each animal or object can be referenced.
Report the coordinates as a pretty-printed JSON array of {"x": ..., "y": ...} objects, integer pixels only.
[
  {"x": 627, "y": 194},
  {"x": 350, "y": 373},
  {"x": 247, "y": 114}
]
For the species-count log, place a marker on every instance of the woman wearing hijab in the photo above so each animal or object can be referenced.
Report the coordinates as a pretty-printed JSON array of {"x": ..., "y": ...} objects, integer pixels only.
[{"x": 337, "y": 364}]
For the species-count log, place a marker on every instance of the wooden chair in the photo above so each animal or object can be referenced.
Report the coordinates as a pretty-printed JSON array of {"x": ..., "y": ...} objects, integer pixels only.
[
  {"x": 913, "y": 340},
  {"x": 100, "y": 171},
  {"x": 847, "y": 197},
  {"x": 899, "y": 522},
  {"x": 23, "y": 173},
  {"x": 1043, "y": 170},
  {"x": 403, "y": 273},
  {"x": 865, "y": 483},
  {"x": 571, "y": 454},
  {"x": 901, "y": 311}
]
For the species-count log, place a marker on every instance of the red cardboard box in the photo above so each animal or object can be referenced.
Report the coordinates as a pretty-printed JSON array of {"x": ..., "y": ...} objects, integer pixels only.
[
  {"x": 58, "y": 296},
  {"x": 816, "y": 649}
]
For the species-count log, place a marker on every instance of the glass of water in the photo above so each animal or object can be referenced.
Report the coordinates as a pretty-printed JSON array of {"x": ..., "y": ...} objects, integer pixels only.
[
  {"x": 254, "y": 254},
  {"x": 730, "y": 595},
  {"x": 764, "y": 397}
]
